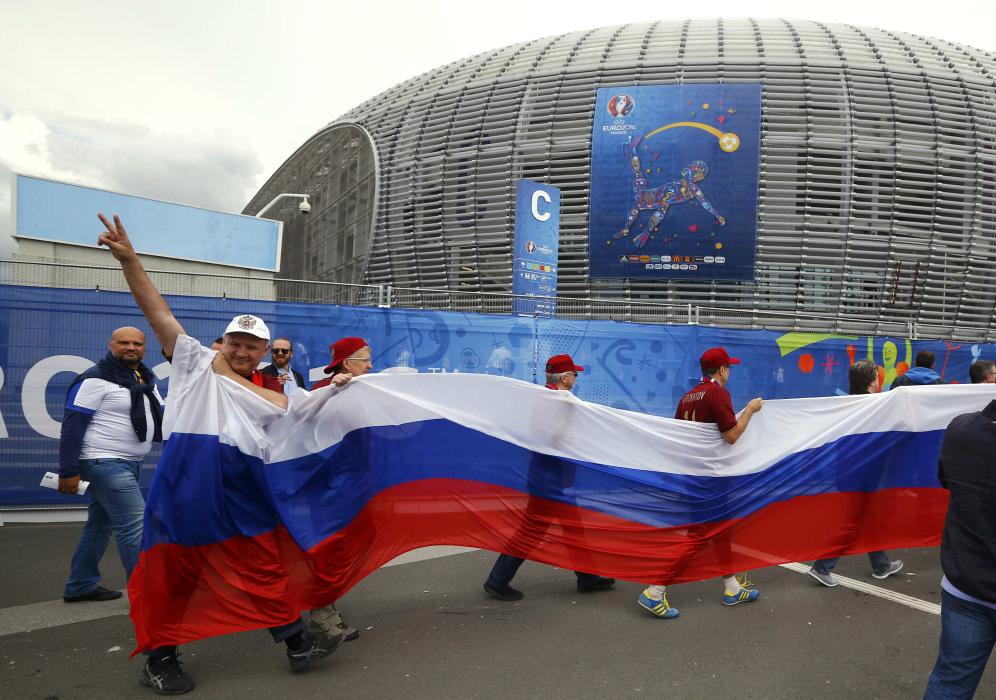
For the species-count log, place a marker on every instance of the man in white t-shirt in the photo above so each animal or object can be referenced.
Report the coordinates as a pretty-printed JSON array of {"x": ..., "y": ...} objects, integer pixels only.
[
  {"x": 113, "y": 414},
  {"x": 246, "y": 341}
]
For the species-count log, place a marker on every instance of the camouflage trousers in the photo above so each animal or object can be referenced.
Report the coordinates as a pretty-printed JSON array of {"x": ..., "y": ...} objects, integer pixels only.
[{"x": 322, "y": 621}]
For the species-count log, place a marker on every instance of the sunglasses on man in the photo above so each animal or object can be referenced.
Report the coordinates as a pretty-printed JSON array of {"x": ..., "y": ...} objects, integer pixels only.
[{"x": 280, "y": 351}]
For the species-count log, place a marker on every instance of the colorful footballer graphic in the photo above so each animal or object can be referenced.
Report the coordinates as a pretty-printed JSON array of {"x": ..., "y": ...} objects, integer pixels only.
[{"x": 674, "y": 181}]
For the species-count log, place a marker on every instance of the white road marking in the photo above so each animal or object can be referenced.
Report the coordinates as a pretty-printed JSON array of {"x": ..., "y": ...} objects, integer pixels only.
[
  {"x": 54, "y": 613},
  {"x": 433, "y": 552},
  {"x": 884, "y": 593}
]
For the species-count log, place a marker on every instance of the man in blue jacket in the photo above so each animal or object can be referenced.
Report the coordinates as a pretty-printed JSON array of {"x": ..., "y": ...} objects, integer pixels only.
[
  {"x": 113, "y": 415},
  {"x": 922, "y": 373}
]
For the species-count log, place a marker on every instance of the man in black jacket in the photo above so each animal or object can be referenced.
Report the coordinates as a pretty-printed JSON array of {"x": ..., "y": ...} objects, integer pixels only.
[
  {"x": 281, "y": 352},
  {"x": 968, "y": 555}
]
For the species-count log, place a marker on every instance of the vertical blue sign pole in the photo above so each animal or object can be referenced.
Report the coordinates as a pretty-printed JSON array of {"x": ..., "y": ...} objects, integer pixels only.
[{"x": 534, "y": 257}]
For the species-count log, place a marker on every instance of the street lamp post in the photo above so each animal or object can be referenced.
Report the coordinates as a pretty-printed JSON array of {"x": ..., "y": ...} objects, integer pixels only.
[{"x": 304, "y": 206}]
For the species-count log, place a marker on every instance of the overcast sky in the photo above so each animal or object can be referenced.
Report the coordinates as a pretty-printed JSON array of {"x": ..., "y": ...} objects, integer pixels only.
[{"x": 199, "y": 102}]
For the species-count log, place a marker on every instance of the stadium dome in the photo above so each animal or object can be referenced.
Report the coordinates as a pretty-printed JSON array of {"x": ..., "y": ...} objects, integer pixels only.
[{"x": 876, "y": 196}]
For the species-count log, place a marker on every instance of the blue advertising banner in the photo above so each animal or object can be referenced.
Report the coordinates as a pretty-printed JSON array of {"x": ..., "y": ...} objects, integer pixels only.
[
  {"x": 674, "y": 181},
  {"x": 61, "y": 212},
  {"x": 47, "y": 336},
  {"x": 534, "y": 261}
]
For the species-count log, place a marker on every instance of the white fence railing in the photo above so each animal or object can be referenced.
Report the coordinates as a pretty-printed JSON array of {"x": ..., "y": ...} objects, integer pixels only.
[{"x": 45, "y": 274}]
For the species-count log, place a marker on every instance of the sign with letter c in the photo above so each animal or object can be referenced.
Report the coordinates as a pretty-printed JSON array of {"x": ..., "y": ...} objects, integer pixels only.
[
  {"x": 534, "y": 260},
  {"x": 537, "y": 196}
]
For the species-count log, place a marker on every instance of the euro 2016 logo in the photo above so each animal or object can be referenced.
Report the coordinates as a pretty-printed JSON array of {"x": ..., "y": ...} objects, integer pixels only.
[{"x": 621, "y": 105}]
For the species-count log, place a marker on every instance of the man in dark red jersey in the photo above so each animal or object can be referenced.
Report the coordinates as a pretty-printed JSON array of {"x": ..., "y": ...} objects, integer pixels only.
[
  {"x": 561, "y": 374},
  {"x": 710, "y": 402}
]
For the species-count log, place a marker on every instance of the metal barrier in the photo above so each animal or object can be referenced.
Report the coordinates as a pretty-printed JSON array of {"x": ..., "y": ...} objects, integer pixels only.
[{"x": 262, "y": 288}]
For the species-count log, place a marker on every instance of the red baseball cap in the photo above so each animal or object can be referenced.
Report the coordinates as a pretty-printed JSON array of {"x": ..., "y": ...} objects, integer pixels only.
[
  {"x": 714, "y": 358},
  {"x": 562, "y": 363},
  {"x": 342, "y": 349}
]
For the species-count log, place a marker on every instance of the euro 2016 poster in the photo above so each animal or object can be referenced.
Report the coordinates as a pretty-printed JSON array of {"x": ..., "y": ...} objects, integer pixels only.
[{"x": 674, "y": 179}]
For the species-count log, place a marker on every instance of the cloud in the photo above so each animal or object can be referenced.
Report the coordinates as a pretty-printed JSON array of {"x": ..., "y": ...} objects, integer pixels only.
[{"x": 215, "y": 169}]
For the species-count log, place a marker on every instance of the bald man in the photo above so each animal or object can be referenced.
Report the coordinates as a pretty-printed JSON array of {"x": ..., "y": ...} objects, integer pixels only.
[{"x": 113, "y": 415}]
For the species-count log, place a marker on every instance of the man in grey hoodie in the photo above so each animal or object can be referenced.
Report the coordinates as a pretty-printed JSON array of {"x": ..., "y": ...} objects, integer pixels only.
[{"x": 922, "y": 372}]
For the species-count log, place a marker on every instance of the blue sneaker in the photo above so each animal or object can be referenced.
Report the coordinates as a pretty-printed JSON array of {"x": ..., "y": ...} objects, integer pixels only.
[
  {"x": 745, "y": 595},
  {"x": 658, "y": 608}
]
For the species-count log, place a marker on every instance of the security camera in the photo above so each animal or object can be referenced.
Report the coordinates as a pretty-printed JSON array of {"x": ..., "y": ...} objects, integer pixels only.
[{"x": 305, "y": 206}]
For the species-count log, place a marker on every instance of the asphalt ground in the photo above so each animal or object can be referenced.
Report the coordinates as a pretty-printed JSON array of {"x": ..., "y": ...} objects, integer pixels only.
[{"x": 429, "y": 631}]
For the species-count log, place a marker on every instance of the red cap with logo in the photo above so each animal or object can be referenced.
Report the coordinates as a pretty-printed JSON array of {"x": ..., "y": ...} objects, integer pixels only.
[
  {"x": 342, "y": 349},
  {"x": 562, "y": 363},
  {"x": 714, "y": 358}
]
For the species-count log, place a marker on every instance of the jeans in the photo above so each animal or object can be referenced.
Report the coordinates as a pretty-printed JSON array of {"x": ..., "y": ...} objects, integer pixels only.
[
  {"x": 280, "y": 633},
  {"x": 505, "y": 568},
  {"x": 117, "y": 506},
  {"x": 879, "y": 561},
  {"x": 968, "y": 632}
]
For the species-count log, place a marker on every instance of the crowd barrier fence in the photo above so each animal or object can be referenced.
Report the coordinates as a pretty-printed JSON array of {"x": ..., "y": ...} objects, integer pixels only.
[{"x": 640, "y": 357}]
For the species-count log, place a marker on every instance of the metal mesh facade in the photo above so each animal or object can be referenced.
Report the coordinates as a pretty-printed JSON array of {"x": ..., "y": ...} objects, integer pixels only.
[
  {"x": 332, "y": 243},
  {"x": 877, "y": 193}
]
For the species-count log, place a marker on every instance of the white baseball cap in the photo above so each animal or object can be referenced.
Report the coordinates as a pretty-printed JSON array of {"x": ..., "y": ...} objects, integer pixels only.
[{"x": 253, "y": 325}]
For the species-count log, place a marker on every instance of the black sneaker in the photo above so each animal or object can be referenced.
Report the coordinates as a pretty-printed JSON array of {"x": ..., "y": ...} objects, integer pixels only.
[
  {"x": 166, "y": 677},
  {"x": 311, "y": 650},
  {"x": 506, "y": 593},
  {"x": 98, "y": 595},
  {"x": 599, "y": 584}
]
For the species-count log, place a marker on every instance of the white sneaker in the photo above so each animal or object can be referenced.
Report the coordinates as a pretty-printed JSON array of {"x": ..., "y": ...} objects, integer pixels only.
[
  {"x": 894, "y": 568},
  {"x": 827, "y": 579}
]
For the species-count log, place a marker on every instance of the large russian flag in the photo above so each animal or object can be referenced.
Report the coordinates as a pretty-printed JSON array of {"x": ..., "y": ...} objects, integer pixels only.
[{"x": 246, "y": 526}]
